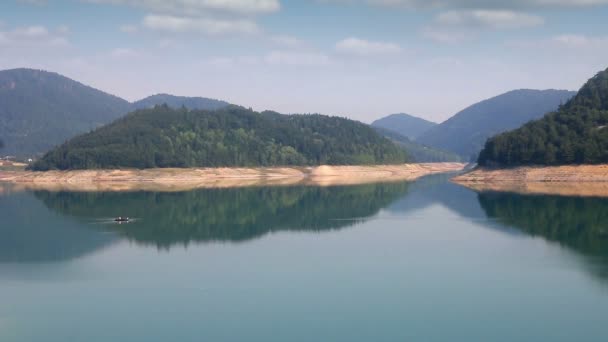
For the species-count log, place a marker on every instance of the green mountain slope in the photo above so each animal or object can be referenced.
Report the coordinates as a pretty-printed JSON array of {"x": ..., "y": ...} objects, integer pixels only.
[
  {"x": 179, "y": 101},
  {"x": 40, "y": 109},
  {"x": 404, "y": 124},
  {"x": 466, "y": 132},
  {"x": 232, "y": 136},
  {"x": 416, "y": 152},
  {"x": 574, "y": 134}
]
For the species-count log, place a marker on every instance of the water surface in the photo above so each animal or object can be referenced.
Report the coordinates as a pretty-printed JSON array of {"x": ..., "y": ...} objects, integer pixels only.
[{"x": 424, "y": 261}]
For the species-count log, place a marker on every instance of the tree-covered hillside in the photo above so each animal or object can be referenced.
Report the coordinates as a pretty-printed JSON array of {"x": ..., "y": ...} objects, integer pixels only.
[
  {"x": 178, "y": 102},
  {"x": 39, "y": 110},
  {"x": 466, "y": 132},
  {"x": 574, "y": 134},
  {"x": 404, "y": 124},
  {"x": 232, "y": 136},
  {"x": 416, "y": 152}
]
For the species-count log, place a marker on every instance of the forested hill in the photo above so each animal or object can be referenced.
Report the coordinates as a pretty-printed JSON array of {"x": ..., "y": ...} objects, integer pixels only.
[
  {"x": 232, "y": 136},
  {"x": 40, "y": 109},
  {"x": 179, "y": 101},
  {"x": 466, "y": 132},
  {"x": 576, "y": 133},
  {"x": 404, "y": 124},
  {"x": 416, "y": 152}
]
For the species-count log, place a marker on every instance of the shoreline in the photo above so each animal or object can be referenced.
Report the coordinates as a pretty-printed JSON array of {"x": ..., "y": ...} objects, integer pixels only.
[
  {"x": 566, "y": 180},
  {"x": 174, "y": 179}
]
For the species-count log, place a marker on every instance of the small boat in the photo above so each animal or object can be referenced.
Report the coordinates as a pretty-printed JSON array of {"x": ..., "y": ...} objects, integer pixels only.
[{"x": 121, "y": 219}]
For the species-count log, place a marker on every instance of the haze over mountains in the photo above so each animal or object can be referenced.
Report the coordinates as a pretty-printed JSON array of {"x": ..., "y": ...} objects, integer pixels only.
[
  {"x": 417, "y": 152},
  {"x": 179, "y": 101},
  {"x": 574, "y": 134},
  {"x": 407, "y": 125},
  {"x": 466, "y": 132},
  {"x": 40, "y": 109}
]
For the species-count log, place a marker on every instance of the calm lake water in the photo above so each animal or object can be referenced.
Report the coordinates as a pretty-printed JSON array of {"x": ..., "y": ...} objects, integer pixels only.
[{"x": 422, "y": 261}]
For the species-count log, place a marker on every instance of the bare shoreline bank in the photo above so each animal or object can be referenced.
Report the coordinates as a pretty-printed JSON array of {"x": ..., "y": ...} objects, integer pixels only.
[
  {"x": 566, "y": 180},
  {"x": 186, "y": 179}
]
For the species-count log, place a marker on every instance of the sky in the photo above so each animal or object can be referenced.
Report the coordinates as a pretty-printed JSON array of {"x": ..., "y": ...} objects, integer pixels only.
[{"x": 361, "y": 59}]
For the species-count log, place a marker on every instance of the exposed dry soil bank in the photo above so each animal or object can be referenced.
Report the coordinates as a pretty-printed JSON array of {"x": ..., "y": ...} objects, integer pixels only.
[
  {"x": 184, "y": 179},
  {"x": 569, "y": 180}
]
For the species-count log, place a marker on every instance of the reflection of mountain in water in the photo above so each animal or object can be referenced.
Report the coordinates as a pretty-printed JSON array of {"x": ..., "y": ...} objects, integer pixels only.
[
  {"x": 579, "y": 223},
  {"x": 29, "y": 232},
  {"x": 239, "y": 214},
  {"x": 437, "y": 189}
]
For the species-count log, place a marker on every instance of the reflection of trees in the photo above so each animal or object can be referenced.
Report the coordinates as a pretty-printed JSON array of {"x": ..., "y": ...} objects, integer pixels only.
[
  {"x": 30, "y": 233},
  {"x": 580, "y": 223},
  {"x": 165, "y": 219}
]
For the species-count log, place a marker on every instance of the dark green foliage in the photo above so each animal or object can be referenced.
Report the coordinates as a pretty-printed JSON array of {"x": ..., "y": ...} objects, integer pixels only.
[
  {"x": 233, "y": 136},
  {"x": 166, "y": 219},
  {"x": 39, "y": 110},
  {"x": 574, "y": 134},
  {"x": 178, "y": 102},
  {"x": 404, "y": 124},
  {"x": 416, "y": 152},
  {"x": 466, "y": 132},
  {"x": 580, "y": 223}
]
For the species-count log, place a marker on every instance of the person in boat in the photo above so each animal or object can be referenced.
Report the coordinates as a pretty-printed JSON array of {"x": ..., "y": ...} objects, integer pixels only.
[{"x": 121, "y": 219}]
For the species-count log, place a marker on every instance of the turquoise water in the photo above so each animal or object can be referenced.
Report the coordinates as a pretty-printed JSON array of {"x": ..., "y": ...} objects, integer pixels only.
[{"x": 422, "y": 261}]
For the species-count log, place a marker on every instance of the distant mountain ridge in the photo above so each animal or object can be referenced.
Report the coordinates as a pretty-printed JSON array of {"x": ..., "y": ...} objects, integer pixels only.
[
  {"x": 179, "y": 101},
  {"x": 405, "y": 124},
  {"x": 575, "y": 133},
  {"x": 40, "y": 110},
  {"x": 466, "y": 132},
  {"x": 418, "y": 153}
]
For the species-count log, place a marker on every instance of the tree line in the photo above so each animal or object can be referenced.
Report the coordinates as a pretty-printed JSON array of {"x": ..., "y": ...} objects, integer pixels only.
[
  {"x": 232, "y": 136},
  {"x": 576, "y": 133}
]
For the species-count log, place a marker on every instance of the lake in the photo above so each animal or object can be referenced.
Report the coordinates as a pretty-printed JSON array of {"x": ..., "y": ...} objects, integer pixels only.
[{"x": 420, "y": 261}]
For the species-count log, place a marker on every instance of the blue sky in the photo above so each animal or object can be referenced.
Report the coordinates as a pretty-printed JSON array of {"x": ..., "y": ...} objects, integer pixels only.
[{"x": 361, "y": 59}]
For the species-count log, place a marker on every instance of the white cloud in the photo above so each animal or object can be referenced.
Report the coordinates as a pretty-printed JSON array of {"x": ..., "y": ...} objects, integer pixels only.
[
  {"x": 212, "y": 17},
  {"x": 483, "y": 4},
  {"x": 458, "y": 26},
  {"x": 120, "y": 53},
  {"x": 287, "y": 41},
  {"x": 33, "y": 36},
  {"x": 447, "y": 36},
  {"x": 231, "y": 62},
  {"x": 560, "y": 44},
  {"x": 292, "y": 58},
  {"x": 362, "y": 47},
  {"x": 577, "y": 40},
  {"x": 211, "y": 26},
  {"x": 63, "y": 30},
  {"x": 273, "y": 58},
  {"x": 33, "y": 2},
  {"x": 200, "y": 7},
  {"x": 494, "y": 19}
]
